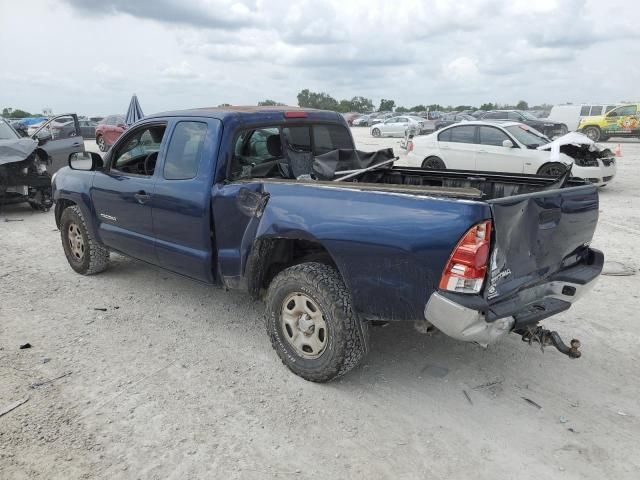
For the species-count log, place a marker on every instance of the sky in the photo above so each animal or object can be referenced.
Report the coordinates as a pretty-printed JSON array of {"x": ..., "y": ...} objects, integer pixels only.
[{"x": 90, "y": 56}]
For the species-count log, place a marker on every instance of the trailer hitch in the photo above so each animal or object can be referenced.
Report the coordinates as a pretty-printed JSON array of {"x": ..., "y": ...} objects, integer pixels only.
[{"x": 547, "y": 337}]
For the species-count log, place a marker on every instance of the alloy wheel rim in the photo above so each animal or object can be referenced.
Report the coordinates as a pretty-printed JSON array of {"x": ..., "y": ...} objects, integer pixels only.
[
  {"x": 303, "y": 325},
  {"x": 76, "y": 242}
]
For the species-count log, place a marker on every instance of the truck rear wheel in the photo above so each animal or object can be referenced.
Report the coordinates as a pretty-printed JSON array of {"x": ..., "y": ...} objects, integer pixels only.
[
  {"x": 84, "y": 254},
  {"x": 311, "y": 324}
]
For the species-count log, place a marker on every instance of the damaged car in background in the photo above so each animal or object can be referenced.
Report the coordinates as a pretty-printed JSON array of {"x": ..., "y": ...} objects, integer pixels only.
[
  {"x": 511, "y": 147},
  {"x": 23, "y": 170},
  {"x": 27, "y": 163}
]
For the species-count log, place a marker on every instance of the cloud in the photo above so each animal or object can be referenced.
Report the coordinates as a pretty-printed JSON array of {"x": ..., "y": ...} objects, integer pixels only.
[
  {"x": 461, "y": 69},
  {"x": 176, "y": 53},
  {"x": 208, "y": 14}
]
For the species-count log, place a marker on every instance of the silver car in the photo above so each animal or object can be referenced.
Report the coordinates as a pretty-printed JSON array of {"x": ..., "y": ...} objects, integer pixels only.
[{"x": 397, "y": 126}]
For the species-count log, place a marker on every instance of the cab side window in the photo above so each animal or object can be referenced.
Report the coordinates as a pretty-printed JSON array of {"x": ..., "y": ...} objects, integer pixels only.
[
  {"x": 138, "y": 153},
  {"x": 254, "y": 148},
  {"x": 185, "y": 148}
]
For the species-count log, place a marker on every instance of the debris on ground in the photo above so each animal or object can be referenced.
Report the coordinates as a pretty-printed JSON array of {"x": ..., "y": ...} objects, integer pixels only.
[
  {"x": 12, "y": 406},
  {"x": 100, "y": 309},
  {"x": 468, "y": 397},
  {"x": 14, "y": 219},
  {"x": 39, "y": 384},
  {"x": 617, "y": 269},
  {"x": 531, "y": 402},
  {"x": 563, "y": 419},
  {"x": 25, "y": 345}
]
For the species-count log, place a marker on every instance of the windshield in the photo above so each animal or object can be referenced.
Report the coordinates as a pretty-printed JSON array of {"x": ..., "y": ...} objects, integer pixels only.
[
  {"x": 6, "y": 132},
  {"x": 528, "y": 136},
  {"x": 528, "y": 116}
]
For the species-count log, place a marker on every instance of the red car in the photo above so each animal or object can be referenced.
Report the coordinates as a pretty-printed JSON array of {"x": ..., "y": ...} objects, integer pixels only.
[{"x": 109, "y": 130}]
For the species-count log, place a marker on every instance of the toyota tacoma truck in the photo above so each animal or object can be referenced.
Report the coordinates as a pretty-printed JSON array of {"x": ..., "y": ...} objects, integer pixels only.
[{"x": 276, "y": 201}]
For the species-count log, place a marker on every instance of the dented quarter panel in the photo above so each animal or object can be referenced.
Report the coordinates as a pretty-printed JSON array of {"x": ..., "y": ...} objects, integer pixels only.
[{"x": 390, "y": 248}]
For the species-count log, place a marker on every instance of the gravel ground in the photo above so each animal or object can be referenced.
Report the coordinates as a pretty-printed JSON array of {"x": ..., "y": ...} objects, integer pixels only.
[{"x": 138, "y": 373}]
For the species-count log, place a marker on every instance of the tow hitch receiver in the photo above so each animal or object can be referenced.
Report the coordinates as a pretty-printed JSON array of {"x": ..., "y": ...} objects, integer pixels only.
[{"x": 546, "y": 337}]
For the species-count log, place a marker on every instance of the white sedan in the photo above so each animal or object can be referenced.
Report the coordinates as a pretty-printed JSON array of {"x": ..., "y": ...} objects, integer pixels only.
[
  {"x": 396, "y": 126},
  {"x": 511, "y": 147}
]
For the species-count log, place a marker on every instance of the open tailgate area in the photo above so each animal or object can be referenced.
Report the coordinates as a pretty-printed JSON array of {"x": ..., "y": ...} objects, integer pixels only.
[{"x": 539, "y": 237}]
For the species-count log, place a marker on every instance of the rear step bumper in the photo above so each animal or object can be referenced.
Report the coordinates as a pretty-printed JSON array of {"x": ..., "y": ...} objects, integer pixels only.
[{"x": 470, "y": 318}]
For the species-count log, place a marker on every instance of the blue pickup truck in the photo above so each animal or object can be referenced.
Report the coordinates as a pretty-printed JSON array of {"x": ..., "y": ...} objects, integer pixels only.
[{"x": 277, "y": 202}]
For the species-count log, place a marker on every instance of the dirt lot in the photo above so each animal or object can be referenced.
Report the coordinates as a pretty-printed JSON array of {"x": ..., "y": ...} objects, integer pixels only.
[{"x": 138, "y": 373}]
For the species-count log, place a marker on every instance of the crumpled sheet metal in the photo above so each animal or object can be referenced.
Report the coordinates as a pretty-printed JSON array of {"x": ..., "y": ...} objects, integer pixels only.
[
  {"x": 12, "y": 151},
  {"x": 571, "y": 138}
]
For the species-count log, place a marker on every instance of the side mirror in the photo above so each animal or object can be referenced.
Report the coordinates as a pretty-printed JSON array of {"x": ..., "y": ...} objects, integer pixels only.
[
  {"x": 507, "y": 144},
  {"x": 121, "y": 125},
  {"x": 87, "y": 161}
]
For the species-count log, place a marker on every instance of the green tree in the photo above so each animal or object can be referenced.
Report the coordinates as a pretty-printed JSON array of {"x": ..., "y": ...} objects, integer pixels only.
[
  {"x": 522, "y": 105},
  {"x": 402, "y": 110},
  {"x": 17, "y": 113},
  {"x": 320, "y": 100},
  {"x": 270, "y": 103},
  {"x": 488, "y": 106},
  {"x": 222, "y": 105},
  {"x": 418, "y": 108},
  {"x": 460, "y": 108},
  {"x": 386, "y": 105},
  {"x": 361, "y": 104},
  {"x": 435, "y": 107}
]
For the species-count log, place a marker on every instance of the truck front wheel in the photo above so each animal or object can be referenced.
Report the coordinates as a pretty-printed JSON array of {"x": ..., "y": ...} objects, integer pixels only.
[
  {"x": 84, "y": 254},
  {"x": 311, "y": 324}
]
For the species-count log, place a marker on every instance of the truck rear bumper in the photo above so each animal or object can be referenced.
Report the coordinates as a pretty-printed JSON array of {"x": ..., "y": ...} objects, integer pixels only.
[{"x": 471, "y": 319}]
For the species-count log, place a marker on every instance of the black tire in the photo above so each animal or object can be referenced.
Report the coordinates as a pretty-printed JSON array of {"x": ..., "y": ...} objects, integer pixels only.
[
  {"x": 94, "y": 258},
  {"x": 102, "y": 144},
  {"x": 346, "y": 336},
  {"x": 552, "y": 169},
  {"x": 433, "y": 163},
  {"x": 592, "y": 132}
]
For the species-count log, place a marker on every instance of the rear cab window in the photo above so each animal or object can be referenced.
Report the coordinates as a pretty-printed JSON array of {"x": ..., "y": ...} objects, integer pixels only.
[{"x": 257, "y": 152}]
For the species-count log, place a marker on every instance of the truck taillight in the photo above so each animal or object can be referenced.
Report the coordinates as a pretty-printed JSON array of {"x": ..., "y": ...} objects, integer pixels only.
[{"x": 467, "y": 266}]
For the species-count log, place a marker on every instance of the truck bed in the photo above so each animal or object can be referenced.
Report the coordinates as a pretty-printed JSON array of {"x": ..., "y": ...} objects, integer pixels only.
[{"x": 460, "y": 183}]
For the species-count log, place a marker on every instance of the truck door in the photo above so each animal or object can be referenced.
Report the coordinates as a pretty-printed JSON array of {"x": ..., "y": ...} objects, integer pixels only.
[
  {"x": 181, "y": 213},
  {"x": 60, "y": 137},
  {"x": 122, "y": 193}
]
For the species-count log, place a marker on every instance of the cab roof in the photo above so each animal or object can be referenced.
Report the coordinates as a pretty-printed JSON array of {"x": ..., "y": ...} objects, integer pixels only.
[{"x": 244, "y": 113}]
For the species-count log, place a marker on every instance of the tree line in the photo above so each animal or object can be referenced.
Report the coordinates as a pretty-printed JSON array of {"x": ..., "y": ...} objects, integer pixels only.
[{"x": 360, "y": 104}]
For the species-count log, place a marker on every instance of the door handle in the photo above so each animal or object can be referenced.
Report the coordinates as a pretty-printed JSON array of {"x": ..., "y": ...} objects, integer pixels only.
[
  {"x": 142, "y": 197},
  {"x": 76, "y": 144}
]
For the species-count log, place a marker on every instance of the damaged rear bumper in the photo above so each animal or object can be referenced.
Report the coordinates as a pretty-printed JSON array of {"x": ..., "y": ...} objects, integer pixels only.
[{"x": 470, "y": 318}]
